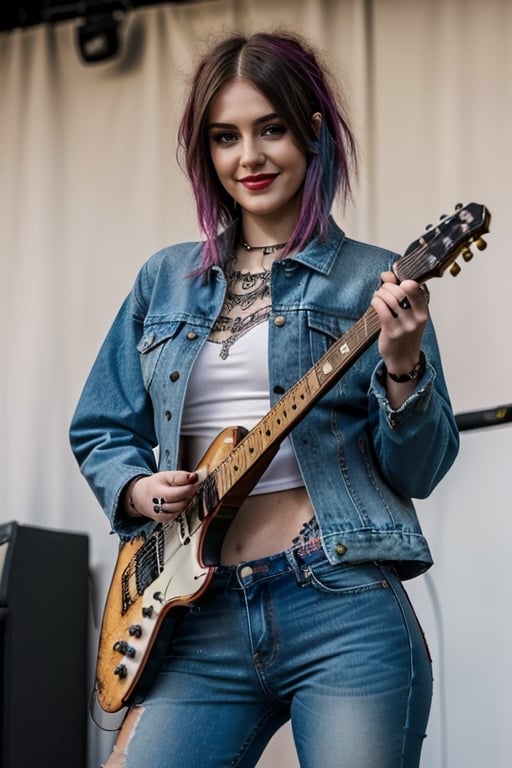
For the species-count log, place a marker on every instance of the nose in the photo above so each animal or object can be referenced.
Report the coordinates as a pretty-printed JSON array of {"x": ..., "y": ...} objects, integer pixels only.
[{"x": 251, "y": 155}]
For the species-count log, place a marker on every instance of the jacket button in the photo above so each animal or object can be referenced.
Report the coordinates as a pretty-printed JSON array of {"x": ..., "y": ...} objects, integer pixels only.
[
  {"x": 340, "y": 549},
  {"x": 278, "y": 390},
  {"x": 191, "y": 335},
  {"x": 174, "y": 376},
  {"x": 168, "y": 415},
  {"x": 279, "y": 320}
]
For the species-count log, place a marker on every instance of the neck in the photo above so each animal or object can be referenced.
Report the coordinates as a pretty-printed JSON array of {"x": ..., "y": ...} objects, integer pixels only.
[
  {"x": 269, "y": 229},
  {"x": 266, "y": 250}
]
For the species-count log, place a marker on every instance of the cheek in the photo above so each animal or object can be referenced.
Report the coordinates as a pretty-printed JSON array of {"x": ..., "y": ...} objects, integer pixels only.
[
  {"x": 214, "y": 157},
  {"x": 295, "y": 159},
  {"x": 221, "y": 161},
  {"x": 300, "y": 167},
  {"x": 225, "y": 176}
]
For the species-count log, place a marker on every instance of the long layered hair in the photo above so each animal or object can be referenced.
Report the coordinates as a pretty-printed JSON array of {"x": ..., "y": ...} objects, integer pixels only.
[{"x": 286, "y": 70}]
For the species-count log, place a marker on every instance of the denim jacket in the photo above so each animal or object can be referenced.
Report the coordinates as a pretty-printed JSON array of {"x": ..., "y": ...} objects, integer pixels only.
[{"x": 362, "y": 462}]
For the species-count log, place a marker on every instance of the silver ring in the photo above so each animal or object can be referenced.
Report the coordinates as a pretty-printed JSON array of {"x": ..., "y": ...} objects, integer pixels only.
[
  {"x": 404, "y": 303},
  {"x": 158, "y": 509}
]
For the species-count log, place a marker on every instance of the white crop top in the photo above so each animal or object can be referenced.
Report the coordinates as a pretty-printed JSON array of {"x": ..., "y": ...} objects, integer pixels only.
[{"x": 234, "y": 392}]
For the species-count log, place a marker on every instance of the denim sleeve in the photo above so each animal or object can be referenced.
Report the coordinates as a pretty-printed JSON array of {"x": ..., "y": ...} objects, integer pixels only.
[
  {"x": 417, "y": 443},
  {"x": 112, "y": 431}
]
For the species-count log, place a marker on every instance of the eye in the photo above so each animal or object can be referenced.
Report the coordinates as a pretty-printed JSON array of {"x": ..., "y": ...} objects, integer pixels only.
[
  {"x": 223, "y": 137},
  {"x": 275, "y": 129}
]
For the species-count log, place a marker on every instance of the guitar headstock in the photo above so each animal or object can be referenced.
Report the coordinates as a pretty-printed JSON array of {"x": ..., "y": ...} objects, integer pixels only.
[{"x": 440, "y": 246}]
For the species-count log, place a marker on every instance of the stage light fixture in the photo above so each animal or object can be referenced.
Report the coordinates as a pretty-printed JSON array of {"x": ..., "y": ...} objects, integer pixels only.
[{"x": 98, "y": 37}]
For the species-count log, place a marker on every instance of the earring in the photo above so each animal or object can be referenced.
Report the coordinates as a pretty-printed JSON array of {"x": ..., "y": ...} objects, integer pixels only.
[{"x": 317, "y": 123}]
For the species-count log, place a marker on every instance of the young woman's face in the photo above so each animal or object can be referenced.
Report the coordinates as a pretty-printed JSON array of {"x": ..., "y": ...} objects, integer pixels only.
[{"x": 253, "y": 151}]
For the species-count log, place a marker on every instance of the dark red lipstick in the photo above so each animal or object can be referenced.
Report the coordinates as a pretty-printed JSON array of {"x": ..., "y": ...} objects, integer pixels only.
[{"x": 261, "y": 181}]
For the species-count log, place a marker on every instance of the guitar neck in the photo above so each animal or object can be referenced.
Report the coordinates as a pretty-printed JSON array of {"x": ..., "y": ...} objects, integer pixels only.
[{"x": 294, "y": 405}]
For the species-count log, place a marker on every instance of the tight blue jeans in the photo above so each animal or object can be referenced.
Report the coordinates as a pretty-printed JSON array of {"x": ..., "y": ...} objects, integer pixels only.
[{"x": 336, "y": 649}]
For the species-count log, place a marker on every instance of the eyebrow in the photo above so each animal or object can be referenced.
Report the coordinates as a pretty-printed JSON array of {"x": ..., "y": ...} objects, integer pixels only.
[{"x": 258, "y": 121}]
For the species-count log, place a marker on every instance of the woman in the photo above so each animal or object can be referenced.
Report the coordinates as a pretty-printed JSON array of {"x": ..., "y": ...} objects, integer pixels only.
[{"x": 307, "y": 618}]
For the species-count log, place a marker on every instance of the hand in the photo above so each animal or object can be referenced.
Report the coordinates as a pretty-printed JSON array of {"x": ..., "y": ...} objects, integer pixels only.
[
  {"x": 403, "y": 314},
  {"x": 161, "y": 496}
]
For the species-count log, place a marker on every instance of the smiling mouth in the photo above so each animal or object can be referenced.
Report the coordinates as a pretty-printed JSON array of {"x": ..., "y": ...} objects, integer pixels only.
[{"x": 258, "y": 182}]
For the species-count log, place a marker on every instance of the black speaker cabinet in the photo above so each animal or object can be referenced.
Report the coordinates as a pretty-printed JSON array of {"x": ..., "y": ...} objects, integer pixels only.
[{"x": 43, "y": 647}]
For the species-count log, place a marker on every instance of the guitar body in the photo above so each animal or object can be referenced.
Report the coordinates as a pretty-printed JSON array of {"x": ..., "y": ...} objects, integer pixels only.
[
  {"x": 172, "y": 568},
  {"x": 153, "y": 578}
]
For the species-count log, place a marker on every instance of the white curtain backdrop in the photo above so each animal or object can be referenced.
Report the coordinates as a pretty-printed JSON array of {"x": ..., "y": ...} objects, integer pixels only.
[{"x": 89, "y": 188}]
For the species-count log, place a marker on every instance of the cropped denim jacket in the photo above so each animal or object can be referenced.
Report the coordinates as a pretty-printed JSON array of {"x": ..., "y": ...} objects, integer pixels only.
[{"x": 362, "y": 462}]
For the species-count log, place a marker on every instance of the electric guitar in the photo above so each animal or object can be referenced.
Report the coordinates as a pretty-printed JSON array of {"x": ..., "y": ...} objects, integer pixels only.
[{"x": 172, "y": 568}]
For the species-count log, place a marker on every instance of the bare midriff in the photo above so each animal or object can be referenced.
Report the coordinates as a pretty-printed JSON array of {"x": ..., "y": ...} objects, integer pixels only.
[{"x": 266, "y": 524}]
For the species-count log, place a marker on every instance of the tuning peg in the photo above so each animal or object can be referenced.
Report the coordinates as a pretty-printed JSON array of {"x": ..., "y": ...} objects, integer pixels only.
[
  {"x": 429, "y": 226},
  {"x": 443, "y": 216},
  {"x": 481, "y": 244},
  {"x": 467, "y": 254},
  {"x": 454, "y": 269},
  {"x": 459, "y": 206}
]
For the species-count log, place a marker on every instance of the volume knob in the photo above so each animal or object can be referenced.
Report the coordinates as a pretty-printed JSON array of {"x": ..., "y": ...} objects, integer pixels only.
[
  {"x": 121, "y": 671},
  {"x": 135, "y": 630},
  {"x": 123, "y": 647}
]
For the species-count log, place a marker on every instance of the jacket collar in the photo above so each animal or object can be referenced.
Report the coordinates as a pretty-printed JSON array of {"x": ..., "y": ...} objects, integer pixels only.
[
  {"x": 321, "y": 256},
  {"x": 317, "y": 255}
]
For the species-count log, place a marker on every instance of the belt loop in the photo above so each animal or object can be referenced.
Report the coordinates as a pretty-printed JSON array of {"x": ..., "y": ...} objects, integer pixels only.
[
  {"x": 291, "y": 556},
  {"x": 299, "y": 566}
]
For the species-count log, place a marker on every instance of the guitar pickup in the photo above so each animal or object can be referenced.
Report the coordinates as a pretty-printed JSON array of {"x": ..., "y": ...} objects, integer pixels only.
[{"x": 126, "y": 650}]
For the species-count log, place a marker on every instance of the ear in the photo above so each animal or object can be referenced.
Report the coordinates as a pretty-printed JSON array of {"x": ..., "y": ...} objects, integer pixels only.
[{"x": 317, "y": 123}]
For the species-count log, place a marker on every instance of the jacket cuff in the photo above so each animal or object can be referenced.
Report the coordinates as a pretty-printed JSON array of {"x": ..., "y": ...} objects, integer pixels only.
[
  {"x": 123, "y": 525},
  {"x": 417, "y": 401}
]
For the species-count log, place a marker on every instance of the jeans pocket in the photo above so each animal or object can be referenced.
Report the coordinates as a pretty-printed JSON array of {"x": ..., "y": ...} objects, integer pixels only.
[{"x": 344, "y": 579}]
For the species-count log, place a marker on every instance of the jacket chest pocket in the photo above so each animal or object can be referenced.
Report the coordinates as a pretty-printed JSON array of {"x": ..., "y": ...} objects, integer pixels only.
[
  {"x": 324, "y": 330},
  {"x": 151, "y": 347}
]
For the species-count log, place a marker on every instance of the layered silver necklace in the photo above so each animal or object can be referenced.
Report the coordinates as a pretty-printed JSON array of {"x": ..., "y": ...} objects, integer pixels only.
[{"x": 244, "y": 289}]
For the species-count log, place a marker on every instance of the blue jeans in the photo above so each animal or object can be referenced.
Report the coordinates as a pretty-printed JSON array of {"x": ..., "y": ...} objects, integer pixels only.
[{"x": 337, "y": 650}]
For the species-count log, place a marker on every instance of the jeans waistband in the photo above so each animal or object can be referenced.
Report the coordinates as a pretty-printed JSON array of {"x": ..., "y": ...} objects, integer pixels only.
[{"x": 243, "y": 573}]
